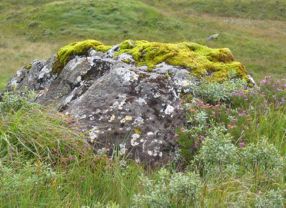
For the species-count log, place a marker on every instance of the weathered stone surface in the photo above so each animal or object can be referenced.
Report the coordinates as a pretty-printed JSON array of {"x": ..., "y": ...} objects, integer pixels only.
[{"x": 118, "y": 104}]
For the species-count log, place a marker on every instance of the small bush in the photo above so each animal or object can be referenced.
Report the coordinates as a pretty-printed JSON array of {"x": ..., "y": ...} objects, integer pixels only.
[
  {"x": 214, "y": 92},
  {"x": 169, "y": 190},
  {"x": 217, "y": 155},
  {"x": 271, "y": 198},
  {"x": 262, "y": 158}
]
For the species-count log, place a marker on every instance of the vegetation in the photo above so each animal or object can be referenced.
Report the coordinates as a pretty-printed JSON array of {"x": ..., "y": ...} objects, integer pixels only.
[
  {"x": 258, "y": 9},
  {"x": 253, "y": 30},
  {"x": 199, "y": 59},
  {"x": 222, "y": 161},
  {"x": 76, "y": 48},
  {"x": 232, "y": 151}
]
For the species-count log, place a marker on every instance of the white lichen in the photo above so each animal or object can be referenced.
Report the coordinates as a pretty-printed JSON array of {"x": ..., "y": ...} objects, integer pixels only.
[
  {"x": 126, "y": 119},
  {"x": 126, "y": 75},
  {"x": 138, "y": 121},
  {"x": 141, "y": 101},
  {"x": 45, "y": 70},
  {"x": 169, "y": 110},
  {"x": 134, "y": 138},
  {"x": 122, "y": 149},
  {"x": 93, "y": 133},
  {"x": 111, "y": 118}
]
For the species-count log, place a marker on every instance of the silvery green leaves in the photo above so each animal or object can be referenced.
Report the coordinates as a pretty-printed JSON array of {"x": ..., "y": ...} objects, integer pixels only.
[
  {"x": 169, "y": 190},
  {"x": 213, "y": 92}
]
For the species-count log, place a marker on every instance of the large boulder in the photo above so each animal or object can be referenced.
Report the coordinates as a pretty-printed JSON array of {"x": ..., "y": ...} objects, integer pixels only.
[{"x": 127, "y": 97}]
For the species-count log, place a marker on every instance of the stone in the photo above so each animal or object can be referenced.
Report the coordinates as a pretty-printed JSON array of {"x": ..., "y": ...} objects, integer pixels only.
[{"x": 117, "y": 103}]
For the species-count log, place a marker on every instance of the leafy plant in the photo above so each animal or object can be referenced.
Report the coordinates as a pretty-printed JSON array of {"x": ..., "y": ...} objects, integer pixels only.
[
  {"x": 169, "y": 190},
  {"x": 214, "y": 92}
]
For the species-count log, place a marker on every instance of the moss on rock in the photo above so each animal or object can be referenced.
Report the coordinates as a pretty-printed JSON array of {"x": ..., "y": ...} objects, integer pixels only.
[
  {"x": 76, "y": 48},
  {"x": 28, "y": 66},
  {"x": 216, "y": 64}
]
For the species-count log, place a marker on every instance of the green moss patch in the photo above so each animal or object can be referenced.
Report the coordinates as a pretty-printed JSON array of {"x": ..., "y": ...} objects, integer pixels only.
[
  {"x": 218, "y": 64},
  {"x": 28, "y": 66},
  {"x": 76, "y": 48}
]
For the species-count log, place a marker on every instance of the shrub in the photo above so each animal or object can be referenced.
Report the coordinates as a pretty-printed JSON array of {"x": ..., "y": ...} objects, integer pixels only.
[
  {"x": 214, "y": 92},
  {"x": 25, "y": 180},
  {"x": 271, "y": 198},
  {"x": 217, "y": 155},
  {"x": 190, "y": 139},
  {"x": 262, "y": 158},
  {"x": 169, "y": 190}
]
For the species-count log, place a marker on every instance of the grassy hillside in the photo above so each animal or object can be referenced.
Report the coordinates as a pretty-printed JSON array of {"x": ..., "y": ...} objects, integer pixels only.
[
  {"x": 250, "y": 9},
  {"x": 255, "y": 32}
]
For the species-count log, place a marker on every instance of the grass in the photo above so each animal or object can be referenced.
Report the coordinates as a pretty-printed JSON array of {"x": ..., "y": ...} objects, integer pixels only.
[
  {"x": 35, "y": 29},
  {"x": 249, "y": 9}
]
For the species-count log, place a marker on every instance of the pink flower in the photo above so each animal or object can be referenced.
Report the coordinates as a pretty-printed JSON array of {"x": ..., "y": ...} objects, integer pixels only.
[
  {"x": 241, "y": 144},
  {"x": 264, "y": 81}
]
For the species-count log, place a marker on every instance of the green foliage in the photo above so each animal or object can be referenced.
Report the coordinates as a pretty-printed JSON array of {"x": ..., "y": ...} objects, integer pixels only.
[
  {"x": 191, "y": 138},
  {"x": 88, "y": 182},
  {"x": 26, "y": 180},
  {"x": 169, "y": 190},
  {"x": 213, "y": 92},
  {"x": 217, "y": 154},
  {"x": 263, "y": 158},
  {"x": 261, "y": 113},
  {"x": 270, "y": 199},
  {"x": 203, "y": 117},
  {"x": 12, "y": 102}
]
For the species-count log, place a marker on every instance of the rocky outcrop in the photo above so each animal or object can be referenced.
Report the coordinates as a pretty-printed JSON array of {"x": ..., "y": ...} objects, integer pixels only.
[{"x": 120, "y": 103}]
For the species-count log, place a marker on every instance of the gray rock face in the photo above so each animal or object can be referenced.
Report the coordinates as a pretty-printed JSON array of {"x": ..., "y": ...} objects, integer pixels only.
[{"x": 119, "y": 106}]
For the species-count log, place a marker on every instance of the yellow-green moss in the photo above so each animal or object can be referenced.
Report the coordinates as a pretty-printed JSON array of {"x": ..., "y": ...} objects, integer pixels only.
[
  {"x": 28, "y": 66},
  {"x": 76, "y": 48},
  {"x": 218, "y": 64}
]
